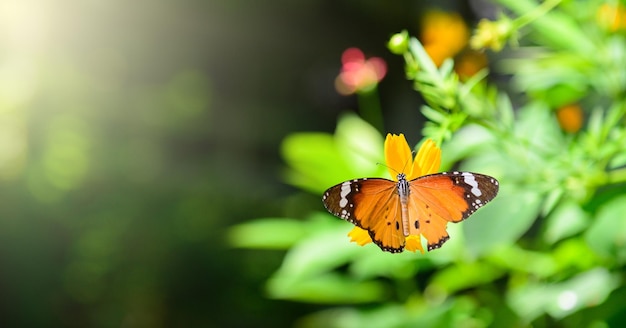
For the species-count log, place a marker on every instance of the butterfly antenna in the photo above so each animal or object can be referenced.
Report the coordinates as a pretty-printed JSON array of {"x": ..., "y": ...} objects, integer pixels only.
[
  {"x": 407, "y": 162},
  {"x": 413, "y": 152},
  {"x": 394, "y": 170},
  {"x": 387, "y": 166}
]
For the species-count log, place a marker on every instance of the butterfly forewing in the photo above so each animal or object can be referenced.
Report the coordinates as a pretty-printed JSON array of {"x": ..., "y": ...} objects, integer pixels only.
[{"x": 372, "y": 204}]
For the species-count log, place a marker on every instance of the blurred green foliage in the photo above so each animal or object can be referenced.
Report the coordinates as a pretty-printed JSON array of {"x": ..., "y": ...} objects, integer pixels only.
[
  {"x": 126, "y": 148},
  {"x": 549, "y": 250}
]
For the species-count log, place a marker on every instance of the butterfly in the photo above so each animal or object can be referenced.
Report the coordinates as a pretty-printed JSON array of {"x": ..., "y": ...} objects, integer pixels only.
[{"x": 392, "y": 210}]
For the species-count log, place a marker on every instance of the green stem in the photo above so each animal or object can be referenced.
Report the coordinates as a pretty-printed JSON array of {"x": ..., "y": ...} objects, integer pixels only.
[
  {"x": 539, "y": 11},
  {"x": 369, "y": 106}
]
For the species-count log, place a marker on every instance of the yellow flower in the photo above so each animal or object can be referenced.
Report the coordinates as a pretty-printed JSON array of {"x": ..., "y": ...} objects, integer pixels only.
[
  {"x": 359, "y": 236},
  {"x": 400, "y": 160},
  {"x": 414, "y": 243},
  {"x": 492, "y": 34},
  {"x": 612, "y": 17}
]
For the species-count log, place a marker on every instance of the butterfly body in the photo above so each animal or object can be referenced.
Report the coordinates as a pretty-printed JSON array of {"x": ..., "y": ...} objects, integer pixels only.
[{"x": 392, "y": 210}]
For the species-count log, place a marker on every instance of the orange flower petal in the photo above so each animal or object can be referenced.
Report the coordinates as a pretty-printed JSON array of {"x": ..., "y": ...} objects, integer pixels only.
[
  {"x": 414, "y": 243},
  {"x": 359, "y": 236},
  {"x": 427, "y": 160},
  {"x": 397, "y": 154}
]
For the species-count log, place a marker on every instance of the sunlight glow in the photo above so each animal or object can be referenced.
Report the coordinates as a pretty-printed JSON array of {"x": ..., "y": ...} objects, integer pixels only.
[
  {"x": 24, "y": 24},
  {"x": 23, "y": 33}
]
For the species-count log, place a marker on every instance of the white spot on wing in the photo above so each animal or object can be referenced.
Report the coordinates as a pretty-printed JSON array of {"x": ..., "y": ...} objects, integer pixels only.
[
  {"x": 345, "y": 190},
  {"x": 470, "y": 180}
]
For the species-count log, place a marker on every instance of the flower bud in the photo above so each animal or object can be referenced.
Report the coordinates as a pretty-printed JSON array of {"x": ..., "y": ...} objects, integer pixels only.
[{"x": 399, "y": 43}]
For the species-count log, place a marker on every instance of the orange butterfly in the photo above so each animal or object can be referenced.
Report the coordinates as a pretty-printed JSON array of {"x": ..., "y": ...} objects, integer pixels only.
[{"x": 391, "y": 211}]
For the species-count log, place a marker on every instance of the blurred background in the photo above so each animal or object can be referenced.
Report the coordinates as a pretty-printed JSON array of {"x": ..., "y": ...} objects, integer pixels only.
[{"x": 134, "y": 133}]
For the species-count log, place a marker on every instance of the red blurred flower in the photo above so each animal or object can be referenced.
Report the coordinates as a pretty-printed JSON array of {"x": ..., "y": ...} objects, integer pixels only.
[{"x": 359, "y": 74}]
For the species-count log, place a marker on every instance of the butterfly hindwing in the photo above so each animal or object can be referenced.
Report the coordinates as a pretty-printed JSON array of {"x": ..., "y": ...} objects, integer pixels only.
[
  {"x": 440, "y": 198},
  {"x": 372, "y": 204}
]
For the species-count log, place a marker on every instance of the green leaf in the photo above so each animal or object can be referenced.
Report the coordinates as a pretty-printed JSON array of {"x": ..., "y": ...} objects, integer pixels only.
[
  {"x": 555, "y": 29},
  {"x": 552, "y": 199},
  {"x": 361, "y": 146},
  {"x": 515, "y": 258},
  {"x": 267, "y": 233},
  {"x": 502, "y": 221},
  {"x": 433, "y": 115},
  {"x": 618, "y": 160},
  {"x": 314, "y": 161},
  {"x": 567, "y": 219},
  {"x": 464, "y": 275},
  {"x": 471, "y": 139},
  {"x": 607, "y": 234},
  {"x": 595, "y": 125},
  {"x": 371, "y": 262},
  {"x": 387, "y": 315},
  {"x": 318, "y": 161},
  {"x": 446, "y": 67},
  {"x": 307, "y": 272},
  {"x": 587, "y": 289},
  {"x": 423, "y": 59},
  {"x": 505, "y": 111},
  {"x": 574, "y": 253},
  {"x": 473, "y": 82},
  {"x": 325, "y": 288},
  {"x": 538, "y": 127},
  {"x": 326, "y": 247}
]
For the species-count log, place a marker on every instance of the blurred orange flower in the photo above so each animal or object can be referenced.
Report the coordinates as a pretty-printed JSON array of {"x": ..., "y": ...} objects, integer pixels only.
[
  {"x": 570, "y": 118},
  {"x": 359, "y": 74},
  {"x": 443, "y": 35},
  {"x": 469, "y": 62}
]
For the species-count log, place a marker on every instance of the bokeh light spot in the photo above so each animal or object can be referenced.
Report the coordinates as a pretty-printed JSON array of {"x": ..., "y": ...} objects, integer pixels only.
[
  {"x": 66, "y": 157},
  {"x": 567, "y": 300}
]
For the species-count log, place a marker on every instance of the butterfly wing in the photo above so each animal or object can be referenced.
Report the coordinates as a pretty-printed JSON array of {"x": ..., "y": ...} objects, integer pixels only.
[
  {"x": 440, "y": 198},
  {"x": 372, "y": 204}
]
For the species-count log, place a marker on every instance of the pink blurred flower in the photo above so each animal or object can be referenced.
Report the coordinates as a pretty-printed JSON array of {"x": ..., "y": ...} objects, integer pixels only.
[{"x": 358, "y": 74}]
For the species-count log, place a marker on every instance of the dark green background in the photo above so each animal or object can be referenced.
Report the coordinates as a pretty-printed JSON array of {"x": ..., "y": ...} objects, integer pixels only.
[{"x": 147, "y": 129}]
